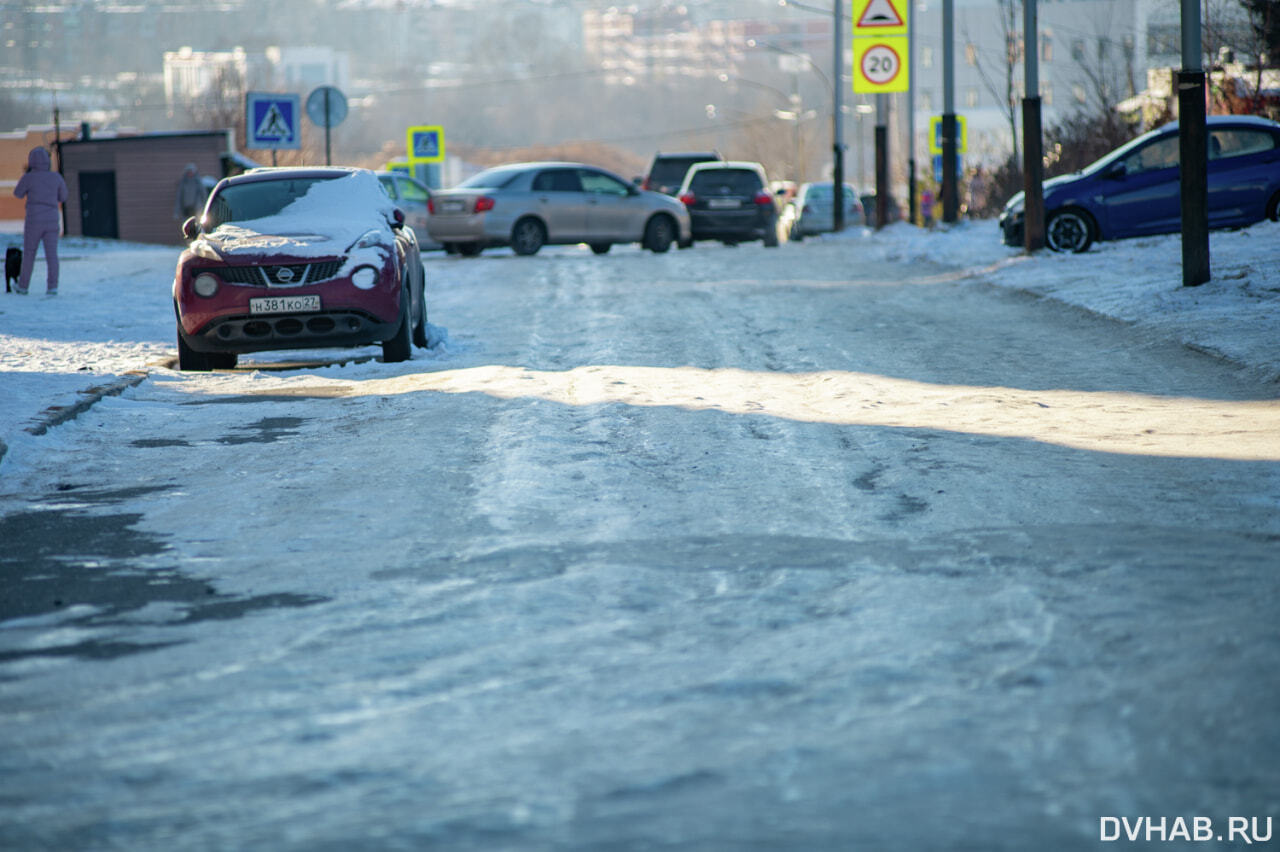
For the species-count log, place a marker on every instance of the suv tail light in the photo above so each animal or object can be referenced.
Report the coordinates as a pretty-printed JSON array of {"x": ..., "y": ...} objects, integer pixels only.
[
  {"x": 763, "y": 198},
  {"x": 687, "y": 199},
  {"x": 431, "y": 205},
  {"x": 484, "y": 203}
]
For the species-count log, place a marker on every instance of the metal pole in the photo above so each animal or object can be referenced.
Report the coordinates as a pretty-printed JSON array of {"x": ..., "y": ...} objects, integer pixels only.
[
  {"x": 882, "y": 160},
  {"x": 1032, "y": 137},
  {"x": 950, "y": 203},
  {"x": 1193, "y": 152},
  {"x": 837, "y": 124},
  {"x": 911, "y": 113},
  {"x": 328, "y": 161}
]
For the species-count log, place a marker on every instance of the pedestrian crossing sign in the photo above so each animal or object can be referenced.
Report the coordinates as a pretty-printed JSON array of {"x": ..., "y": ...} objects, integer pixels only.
[
  {"x": 425, "y": 143},
  {"x": 272, "y": 120}
]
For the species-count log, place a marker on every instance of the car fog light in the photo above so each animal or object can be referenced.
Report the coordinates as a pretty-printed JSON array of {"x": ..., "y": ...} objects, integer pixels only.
[
  {"x": 205, "y": 285},
  {"x": 365, "y": 277}
]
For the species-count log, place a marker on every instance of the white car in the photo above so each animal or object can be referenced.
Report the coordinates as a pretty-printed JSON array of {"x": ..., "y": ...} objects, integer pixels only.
[{"x": 529, "y": 205}]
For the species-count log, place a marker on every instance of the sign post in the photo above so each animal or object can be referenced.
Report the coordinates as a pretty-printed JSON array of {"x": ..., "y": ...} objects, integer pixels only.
[
  {"x": 881, "y": 65},
  {"x": 327, "y": 108},
  {"x": 272, "y": 121}
]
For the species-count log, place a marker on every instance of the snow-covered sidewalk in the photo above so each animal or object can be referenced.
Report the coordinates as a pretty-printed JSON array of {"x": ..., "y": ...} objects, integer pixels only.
[{"x": 113, "y": 321}]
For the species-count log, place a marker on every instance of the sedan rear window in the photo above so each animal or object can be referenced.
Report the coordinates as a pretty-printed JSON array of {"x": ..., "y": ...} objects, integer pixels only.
[
  {"x": 1239, "y": 143},
  {"x": 725, "y": 182}
]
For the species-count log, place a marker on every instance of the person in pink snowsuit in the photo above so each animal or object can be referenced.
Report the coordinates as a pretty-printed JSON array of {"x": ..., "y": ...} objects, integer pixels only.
[{"x": 44, "y": 190}]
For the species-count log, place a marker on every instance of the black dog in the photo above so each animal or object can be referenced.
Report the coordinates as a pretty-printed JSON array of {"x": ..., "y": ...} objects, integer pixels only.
[{"x": 12, "y": 266}]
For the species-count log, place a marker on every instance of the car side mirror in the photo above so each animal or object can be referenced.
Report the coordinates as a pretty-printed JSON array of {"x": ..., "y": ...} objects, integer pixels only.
[
  {"x": 1116, "y": 171},
  {"x": 633, "y": 190},
  {"x": 191, "y": 228},
  {"x": 397, "y": 218}
]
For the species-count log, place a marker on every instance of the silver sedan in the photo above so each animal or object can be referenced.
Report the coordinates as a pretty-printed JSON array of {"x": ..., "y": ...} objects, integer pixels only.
[{"x": 529, "y": 205}]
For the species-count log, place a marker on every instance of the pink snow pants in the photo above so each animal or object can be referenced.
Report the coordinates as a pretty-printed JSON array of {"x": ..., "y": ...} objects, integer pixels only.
[{"x": 33, "y": 234}]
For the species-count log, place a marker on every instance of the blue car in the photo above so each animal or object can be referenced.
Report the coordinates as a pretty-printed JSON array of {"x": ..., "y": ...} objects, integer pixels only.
[{"x": 1136, "y": 190}]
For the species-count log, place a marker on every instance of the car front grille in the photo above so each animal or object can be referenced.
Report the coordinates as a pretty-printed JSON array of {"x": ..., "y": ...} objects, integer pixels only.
[{"x": 284, "y": 275}]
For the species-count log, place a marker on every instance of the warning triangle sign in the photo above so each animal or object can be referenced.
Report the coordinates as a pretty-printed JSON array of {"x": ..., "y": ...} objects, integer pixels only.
[{"x": 880, "y": 13}]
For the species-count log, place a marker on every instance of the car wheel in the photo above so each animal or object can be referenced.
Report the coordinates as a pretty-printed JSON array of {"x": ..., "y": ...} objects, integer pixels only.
[
  {"x": 659, "y": 234},
  {"x": 1069, "y": 230},
  {"x": 1273, "y": 208},
  {"x": 469, "y": 249},
  {"x": 601, "y": 248},
  {"x": 770, "y": 238},
  {"x": 527, "y": 237},
  {"x": 398, "y": 347},
  {"x": 222, "y": 360},
  {"x": 190, "y": 360},
  {"x": 796, "y": 236}
]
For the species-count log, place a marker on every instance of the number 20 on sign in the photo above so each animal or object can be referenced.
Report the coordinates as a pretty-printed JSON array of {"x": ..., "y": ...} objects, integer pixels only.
[{"x": 880, "y": 65}]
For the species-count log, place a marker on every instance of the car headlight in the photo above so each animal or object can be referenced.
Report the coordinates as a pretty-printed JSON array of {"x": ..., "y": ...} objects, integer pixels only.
[
  {"x": 1015, "y": 204},
  {"x": 365, "y": 277},
  {"x": 205, "y": 285},
  {"x": 370, "y": 239}
]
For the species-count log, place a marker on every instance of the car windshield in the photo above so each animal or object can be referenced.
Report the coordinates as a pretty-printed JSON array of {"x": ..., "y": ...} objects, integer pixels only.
[
  {"x": 243, "y": 202},
  {"x": 495, "y": 178},
  {"x": 725, "y": 182}
]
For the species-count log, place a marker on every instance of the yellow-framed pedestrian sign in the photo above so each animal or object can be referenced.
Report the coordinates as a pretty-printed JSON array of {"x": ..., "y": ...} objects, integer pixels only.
[
  {"x": 425, "y": 143},
  {"x": 935, "y": 135},
  {"x": 880, "y": 48}
]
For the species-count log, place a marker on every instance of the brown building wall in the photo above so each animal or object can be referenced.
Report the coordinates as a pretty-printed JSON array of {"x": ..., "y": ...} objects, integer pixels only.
[
  {"x": 147, "y": 170},
  {"x": 14, "y": 148}
]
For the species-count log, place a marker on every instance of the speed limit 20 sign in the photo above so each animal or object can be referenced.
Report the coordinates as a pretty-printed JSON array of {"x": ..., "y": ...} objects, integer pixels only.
[{"x": 880, "y": 65}]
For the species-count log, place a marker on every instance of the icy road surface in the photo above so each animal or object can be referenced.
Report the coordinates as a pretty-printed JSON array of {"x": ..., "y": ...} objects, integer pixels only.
[{"x": 723, "y": 549}]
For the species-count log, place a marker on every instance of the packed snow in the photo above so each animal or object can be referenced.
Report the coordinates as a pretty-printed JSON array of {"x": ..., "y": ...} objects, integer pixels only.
[{"x": 112, "y": 316}]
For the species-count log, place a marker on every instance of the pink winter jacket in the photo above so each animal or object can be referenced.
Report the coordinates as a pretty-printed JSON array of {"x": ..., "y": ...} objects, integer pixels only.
[{"x": 43, "y": 189}]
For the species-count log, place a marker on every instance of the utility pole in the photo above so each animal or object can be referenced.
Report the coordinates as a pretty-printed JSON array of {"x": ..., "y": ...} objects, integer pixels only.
[
  {"x": 57, "y": 150},
  {"x": 882, "y": 160},
  {"x": 1193, "y": 152},
  {"x": 950, "y": 203},
  {"x": 911, "y": 114},
  {"x": 1032, "y": 138},
  {"x": 837, "y": 119}
]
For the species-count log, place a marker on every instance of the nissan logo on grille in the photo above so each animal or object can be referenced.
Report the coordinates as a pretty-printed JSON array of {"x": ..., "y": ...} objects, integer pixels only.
[{"x": 284, "y": 275}]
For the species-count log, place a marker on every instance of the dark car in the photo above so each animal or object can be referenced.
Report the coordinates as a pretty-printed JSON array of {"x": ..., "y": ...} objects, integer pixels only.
[
  {"x": 297, "y": 258},
  {"x": 1136, "y": 189},
  {"x": 667, "y": 171},
  {"x": 730, "y": 202}
]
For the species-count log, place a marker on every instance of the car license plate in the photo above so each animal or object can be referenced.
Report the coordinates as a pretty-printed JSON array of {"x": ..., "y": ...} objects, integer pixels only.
[
  {"x": 453, "y": 206},
  {"x": 284, "y": 304},
  {"x": 723, "y": 203}
]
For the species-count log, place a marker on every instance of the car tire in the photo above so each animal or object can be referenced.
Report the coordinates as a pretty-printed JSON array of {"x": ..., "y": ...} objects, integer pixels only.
[
  {"x": 399, "y": 347},
  {"x": 189, "y": 360},
  {"x": 796, "y": 235},
  {"x": 222, "y": 360},
  {"x": 528, "y": 236},
  {"x": 1273, "y": 208},
  {"x": 1070, "y": 230},
  {"x": 770, "y": 238},
  {"x": 469, "y": 249},
  {"x": 659, "y": 234},
  {"x": 601, "y": 248}
]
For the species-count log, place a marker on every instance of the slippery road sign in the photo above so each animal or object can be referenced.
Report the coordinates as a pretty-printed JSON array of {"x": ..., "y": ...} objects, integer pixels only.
[{"x": 272, "y": 120}]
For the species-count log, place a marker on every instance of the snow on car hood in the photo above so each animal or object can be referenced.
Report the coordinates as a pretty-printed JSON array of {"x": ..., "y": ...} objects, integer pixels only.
[{"x": 328, "y": 220}]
